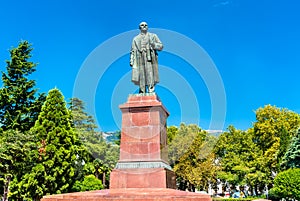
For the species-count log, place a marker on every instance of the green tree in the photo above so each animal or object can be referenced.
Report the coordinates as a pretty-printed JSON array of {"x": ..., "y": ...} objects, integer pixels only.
[
  {"x": 287, "y": 185},
  {"x": 272, "y": 132},
  {"x": 230, "y": 148},
  {"x": 239, "y": 158},
  {"x": 89, "y": 183},
  {"x": 103, "y": 155},
  {"x": 84, "y": 124},
  {"x": 19, "y": 106},
  {"x": 171, "y": 133},
  {"x": 15, "y": 158},
  {"x": 59, "y": 150},
  {"x": 118, "y": 135},
  {"x": 291, "y": 158},
  {"x": 190, "y": 154}
]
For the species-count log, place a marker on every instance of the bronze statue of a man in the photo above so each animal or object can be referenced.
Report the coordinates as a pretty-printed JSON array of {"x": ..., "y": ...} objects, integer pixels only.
[{"x": 143, "y": 59}]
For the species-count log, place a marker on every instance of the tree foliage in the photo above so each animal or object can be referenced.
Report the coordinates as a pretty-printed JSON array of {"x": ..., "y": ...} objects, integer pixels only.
[
  {"x": 287, "y": 185},
  {"x": 190, "y": 154},
  {"x": 19, "y": 106},
  {"x": 19, "y": 109},
  {"x": 273, "y": 131},
  {"x": 89, "y": 183},
  {"x": 239, "y": 158},
  {"x": 103, "y": 155},
  {"x": 84, "y": 124},
  {"x": 291, "y": 158},
  {"x": 253, "y": 157},
  {"x": 15, "y": 156},
  {"x": 58, "y": 152},
  {"x": 171, "y": 133}
]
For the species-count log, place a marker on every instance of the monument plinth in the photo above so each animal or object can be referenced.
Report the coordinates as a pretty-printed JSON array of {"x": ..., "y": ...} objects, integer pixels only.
[
  {"x": 143, "y": 149},
  {"x": 144, "y": 135}
]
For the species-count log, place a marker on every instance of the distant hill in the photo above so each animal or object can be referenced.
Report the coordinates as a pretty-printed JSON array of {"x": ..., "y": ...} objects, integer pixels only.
[
  {"x": 110, "y": 136},
  {"x": 215, "y": 133}
]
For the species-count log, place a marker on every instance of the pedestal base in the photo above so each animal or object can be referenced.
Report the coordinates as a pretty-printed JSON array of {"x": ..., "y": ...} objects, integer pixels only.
[
  {"x": 130, "y": 194},
  {"x": 142, "y": 178}
]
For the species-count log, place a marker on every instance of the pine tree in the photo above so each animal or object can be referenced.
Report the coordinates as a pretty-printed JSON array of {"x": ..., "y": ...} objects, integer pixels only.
[
  {"x": 103, "y": 155},
  {"x": 58, "y": 153},
  {"x": 19, "y": 106},
  {"x": 291, "y": 158},
  {"x": 83, "y": 123}
]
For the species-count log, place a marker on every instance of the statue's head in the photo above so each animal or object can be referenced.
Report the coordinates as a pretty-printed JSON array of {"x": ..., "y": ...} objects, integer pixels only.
[{"x": 143, "y": 26}]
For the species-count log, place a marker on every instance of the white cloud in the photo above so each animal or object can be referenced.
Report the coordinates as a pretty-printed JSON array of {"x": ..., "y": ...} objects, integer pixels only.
[{"x": 222, "y": 3}]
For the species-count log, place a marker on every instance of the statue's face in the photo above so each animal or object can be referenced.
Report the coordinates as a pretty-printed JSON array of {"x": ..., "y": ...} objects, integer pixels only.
[{"x": 143, "y": 26}]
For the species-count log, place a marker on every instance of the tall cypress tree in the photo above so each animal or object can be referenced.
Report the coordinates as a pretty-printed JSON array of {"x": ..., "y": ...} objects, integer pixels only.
[
  {"x": 19, "y": 106},
  {"x": 58, "y": 152}
]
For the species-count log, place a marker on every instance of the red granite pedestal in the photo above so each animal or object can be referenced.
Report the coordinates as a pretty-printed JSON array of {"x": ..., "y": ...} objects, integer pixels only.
[
  {"x": 143, "y": 149},
  {"x": 142, "y": 172}
]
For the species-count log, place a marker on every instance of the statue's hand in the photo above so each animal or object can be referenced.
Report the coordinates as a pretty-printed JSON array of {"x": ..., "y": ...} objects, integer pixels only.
[
  {"x": 152, "y": 45},
  {"x": 157, "y": 46}
]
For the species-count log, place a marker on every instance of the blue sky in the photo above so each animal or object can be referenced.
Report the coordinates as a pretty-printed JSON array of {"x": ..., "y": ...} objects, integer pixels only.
[{"x": 254, "y": 47}]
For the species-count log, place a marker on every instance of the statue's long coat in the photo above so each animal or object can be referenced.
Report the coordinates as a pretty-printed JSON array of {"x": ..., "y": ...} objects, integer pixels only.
[{"x": 136, "y": 60}]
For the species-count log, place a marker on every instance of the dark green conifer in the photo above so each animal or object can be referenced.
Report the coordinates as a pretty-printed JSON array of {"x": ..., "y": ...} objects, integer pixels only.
[
  {"x": 291, "y": 158},
  {"x": 58, "y": 151},
  {"x": 19, "y": 106},
  {"x": 103, "y": 155}
]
